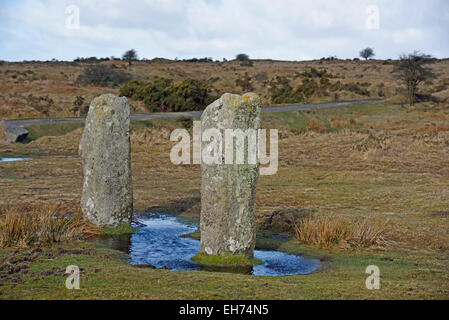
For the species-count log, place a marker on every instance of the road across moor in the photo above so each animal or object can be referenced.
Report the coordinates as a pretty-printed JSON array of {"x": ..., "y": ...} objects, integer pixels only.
[{"x": 149, "y": 116}]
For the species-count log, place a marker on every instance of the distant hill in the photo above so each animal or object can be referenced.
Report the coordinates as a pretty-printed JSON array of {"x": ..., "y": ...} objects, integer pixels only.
[{"x": 53, "y": 89}]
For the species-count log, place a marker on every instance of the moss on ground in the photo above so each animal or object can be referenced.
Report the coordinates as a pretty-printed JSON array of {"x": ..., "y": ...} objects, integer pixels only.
[
  {"x": 225, "y": 259},
  {"x": 121, "y": 230}
]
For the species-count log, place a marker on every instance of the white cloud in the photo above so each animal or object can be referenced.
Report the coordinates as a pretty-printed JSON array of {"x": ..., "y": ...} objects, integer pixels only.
[{"x": 281, "y": 29}]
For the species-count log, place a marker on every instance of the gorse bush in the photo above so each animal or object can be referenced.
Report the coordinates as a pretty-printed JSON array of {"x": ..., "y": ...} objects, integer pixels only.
[
  {"x": 103, "y": 76},
  {"x": 245, "y": 82},
  {"x": 282, "y": 92},
  {"x": 130, "y": 89},
  {"x": 315, "y": 73},
  {"x": 165, "y": 95}
]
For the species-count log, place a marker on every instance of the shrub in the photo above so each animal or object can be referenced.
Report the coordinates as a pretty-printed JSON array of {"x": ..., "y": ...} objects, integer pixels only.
[
  {"x": 164, "y": 95},
  {"x": 102, "y": 76},
  {"x": 242, "y": 57},
  {"x": 79, "y": 101},
  {"x": 355, "y": 87},
  {"x": 91, "y": 59},
  {"x": 244, "y": 83},
  {"x": 130, "y": 88},
  {"x": 79, "y": 108},
  {"x": 314, "y": 73},
  {"x": 188, "y": 95},
  {"x": 324, "y": 81},
  {"x": 285, "y": 95},
  {"x": 205, "y": 59},
  {"x": 308, "y": 87},
  {"x": 282, "y": 92}
]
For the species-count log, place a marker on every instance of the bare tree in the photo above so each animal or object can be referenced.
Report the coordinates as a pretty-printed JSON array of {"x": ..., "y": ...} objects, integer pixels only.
[
  {"x": 130, "y": 56},
  {"x": 412, "y": 70},
  {"x": 367, "y": 53}
]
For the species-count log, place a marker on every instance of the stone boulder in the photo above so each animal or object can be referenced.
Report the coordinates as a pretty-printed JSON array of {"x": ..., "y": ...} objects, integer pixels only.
[
  {"x": 12, "y": 133},
  {"x": 228, "y": 223},
  {"x": 107, "y": 198}
]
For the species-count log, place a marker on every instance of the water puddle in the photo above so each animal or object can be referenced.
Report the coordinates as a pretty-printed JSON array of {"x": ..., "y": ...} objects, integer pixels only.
[
  {"x": 13, "y": 159},
  {"x": 160, "y": 244}
]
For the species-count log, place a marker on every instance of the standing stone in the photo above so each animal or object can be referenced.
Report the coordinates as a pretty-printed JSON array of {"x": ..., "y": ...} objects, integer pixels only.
[
  {"x": 228, "y": 190},
  {"x": 107, "y": 198}
]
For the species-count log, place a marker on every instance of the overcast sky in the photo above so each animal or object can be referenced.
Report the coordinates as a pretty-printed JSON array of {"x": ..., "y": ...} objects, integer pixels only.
[{"x": 274, "y": 29}]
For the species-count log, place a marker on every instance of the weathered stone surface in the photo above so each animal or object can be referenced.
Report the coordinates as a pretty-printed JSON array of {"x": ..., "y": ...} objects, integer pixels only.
[
  {"x": 228, "y": 190},
  {"x": 12, "y": 133},
  {"x": 107, "y": 198}
]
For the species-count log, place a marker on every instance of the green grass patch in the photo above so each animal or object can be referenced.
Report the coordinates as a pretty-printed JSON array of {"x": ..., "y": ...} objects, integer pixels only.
[
  {"x": 173, "y": 122},
  {"x": 123, "y": 229},
  {"x": 56, "y": 129},
  {"x": 294, "y": 120}
]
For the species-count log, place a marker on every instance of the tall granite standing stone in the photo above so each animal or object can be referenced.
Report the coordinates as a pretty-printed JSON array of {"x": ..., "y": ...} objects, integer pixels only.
[
  {"x": 107, "y": 198},
  {"x": 228, "y": 190}
]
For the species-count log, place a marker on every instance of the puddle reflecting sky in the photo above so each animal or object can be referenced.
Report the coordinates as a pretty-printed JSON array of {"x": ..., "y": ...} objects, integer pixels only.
[
  {"x": 159, "y": 244},
  {"x": 13, "y": 159}
]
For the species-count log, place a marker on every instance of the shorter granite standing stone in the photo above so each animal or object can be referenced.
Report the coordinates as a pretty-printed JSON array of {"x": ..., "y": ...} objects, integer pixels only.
[
  {"x": 107, "y": 198},
  {"x": 228, "y": 190}
]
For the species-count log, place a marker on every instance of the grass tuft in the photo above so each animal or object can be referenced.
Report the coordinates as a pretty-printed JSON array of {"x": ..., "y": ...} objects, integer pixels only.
[
  {"x": 333, "y": 231},
  {"x": 315, "y": 125},
  {"x": 24, "y": 226}
]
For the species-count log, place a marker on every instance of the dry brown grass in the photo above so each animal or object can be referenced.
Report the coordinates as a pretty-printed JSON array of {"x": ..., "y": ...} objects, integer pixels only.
[
  {"x": 337, "y": 231},
  {"x": 2, "y": 132},
  {"x": 315, "y": 125},
  {"x": 67, "y": 143},
  {"x": 372, "y": 141},
  {"x": 25, "y": 225},
  {"x": 141, "y": 139},
  {"x": 337, "y": 122}
]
